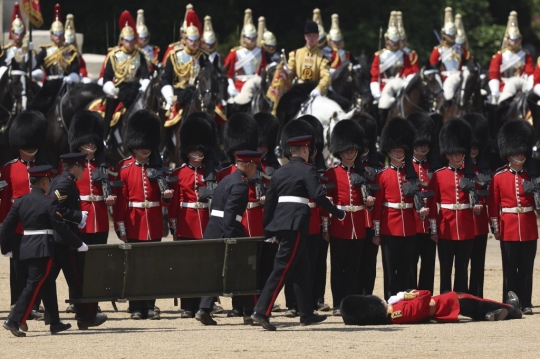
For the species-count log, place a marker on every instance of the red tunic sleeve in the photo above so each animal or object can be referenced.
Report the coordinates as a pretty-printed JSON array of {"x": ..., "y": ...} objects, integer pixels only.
[
  {"x": 230, "y": 60},
  {"x": 435, "y": 57},
  {"x": 375, "y": 68},
  {"x": 412, "y": 311},
  {"x": 495, "y": 67}
]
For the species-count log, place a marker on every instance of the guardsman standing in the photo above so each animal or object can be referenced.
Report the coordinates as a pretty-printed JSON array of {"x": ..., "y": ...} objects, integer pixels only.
[
  {"x": 244, "y": 62},
  {"x": 67, "y": 255},
  {"x": 455, "y": 221},
  {"x": 143, "y": 43},
  {"x": 425, "y": 248},
  {"x": 27, "y": 136},
  {"x": 372, "y": 165},
  {"x": 448, "y": 58},
  {"x": 511, "y": 69},
  {"x": 391, "y": 69},
  {"x": 37, "y": 212},
  {"x": 394, "y": 217},
  {"x": 511, "y": 210},
  {"x": 309, "y": 64},
  {"x": 346, "y": 236},
  {"x": 189, "y": 210},
  {"x": 138, "y": 217},
  {"x": 479, "y": 150},
  {"x": 286, "y": 218},
  {"x": 228, "y": 204}
]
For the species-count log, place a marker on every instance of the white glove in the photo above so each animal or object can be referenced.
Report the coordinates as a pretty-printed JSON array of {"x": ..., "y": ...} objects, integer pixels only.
[
  {"x": 375, "y": 88},
  {"x": 495, "y": 87},
  {"x": 83, "y": 220},
  {"x": 8, "y": 254},
  {"x": 268, "y": 240},
  {"x": 72, "y": 78},
  {"x": 396, "y": 298},
  {"x": 2, "y": 70},
  {"x": 530, "y": 82},
  {"x": 82, "y": 248},
  {"x": 37, "y": 75},
  {"x": 110, "y": 89},
  {"x": 144, "y": 84},
  {"x": 315, "y": 93},
  {"x": 536, "y": 89},
  {"x": 87, "y": 80},
  {"x": 100, "y": 81},
  {"x": 231, "y": 89},
  {"x": 168, "y": 94}
]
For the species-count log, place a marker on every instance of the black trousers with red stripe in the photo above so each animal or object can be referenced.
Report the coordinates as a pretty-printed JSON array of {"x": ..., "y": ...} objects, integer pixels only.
[
  {"x": 292, "y": 261},
  {"x": 345, "y": 257},
  {"x": 368, "y": 265},
  {"x": 319, "y": 282},
  {"x": 71, "y": 263},
  {"x": 39, "y": 282},
  {"x": 425, "y": 251},
  {"x": 397, "y": 256},
  {"x": 476, "y": 308},
  {"x": 518, "y": 269},
  {"x": 478, "y": 263},
  {"x": 454, "y": 253}
]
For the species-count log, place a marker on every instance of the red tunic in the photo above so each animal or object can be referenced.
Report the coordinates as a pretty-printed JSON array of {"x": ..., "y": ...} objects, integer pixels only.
[
  {"x": 416, "y": 310},
  {"x": 230, "y": 61},
  {"x": 82, "y": 67},
  {"x": 424, "y": 172},
  {"x": 452, "y": 224},
  {"x": 377, "y": 76},
  {"x": 537, "y": 73},
  {"x": 506, "y": 191},
  {"x": 335, "y": 59},
  {"x": 394, "y": 221},
  {"x": 141, "y": 223},
  {"x": 190, "y": 222},
  {"x": 345, "y": 194},
  {"x": 413, "y": 58},
  {"x": 15, "y": 173},
  {"x": 98, "y": 215},
  {"x": 495, "y": 68}
]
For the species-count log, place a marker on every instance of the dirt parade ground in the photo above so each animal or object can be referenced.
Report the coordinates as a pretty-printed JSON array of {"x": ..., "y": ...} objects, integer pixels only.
[{"x": 172, "y": 336}]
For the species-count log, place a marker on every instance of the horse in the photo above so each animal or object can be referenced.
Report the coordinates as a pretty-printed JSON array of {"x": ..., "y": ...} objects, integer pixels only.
[
  {"x": 413, "y": 98},
  {"x": 467, "y": 98}
]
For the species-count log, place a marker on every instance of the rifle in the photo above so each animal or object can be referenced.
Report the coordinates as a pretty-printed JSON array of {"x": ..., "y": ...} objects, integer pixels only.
[
  {"x": 469, "y": 185},
  {"x": 412, "y": 189},
  {"x": 361, "y": 181},
  {"x": 533, "y": 187},
  {"x": 155, "y": 174},
  {"x": 102, "y": 175},
  {"x": 208, "y": 191}
]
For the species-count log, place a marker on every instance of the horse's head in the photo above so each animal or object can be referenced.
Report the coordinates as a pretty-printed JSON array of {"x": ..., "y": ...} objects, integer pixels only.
[
  {"x": 208, "y": 87},
  {"x": 434, "y": 88}
]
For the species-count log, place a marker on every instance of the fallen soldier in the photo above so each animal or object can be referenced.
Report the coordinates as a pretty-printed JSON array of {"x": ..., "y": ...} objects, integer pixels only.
[{"x": 419, "y": 306}]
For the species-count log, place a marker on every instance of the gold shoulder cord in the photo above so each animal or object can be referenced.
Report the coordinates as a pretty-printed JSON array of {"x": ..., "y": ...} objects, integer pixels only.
[
  {"x": 122, "y": 69},
  {"x": 182, "y": 72},
  {"x": 57, "y": 57}
]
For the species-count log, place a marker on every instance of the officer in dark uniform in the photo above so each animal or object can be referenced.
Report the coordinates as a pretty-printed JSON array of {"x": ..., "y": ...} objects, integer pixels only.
[
  {"x": 37, "y": 212},
  {"x": 64, "y": 189},
  {"x": 286, "y": 216},
  {"x": 228, "y": 204}
]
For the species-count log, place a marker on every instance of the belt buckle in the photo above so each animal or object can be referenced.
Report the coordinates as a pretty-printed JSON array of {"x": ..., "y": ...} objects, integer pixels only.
[
  {"x": 520, "y": 209},
  {"x": 402, "y": 205},
  {"x": 457, "y": 206},
  {"x": 146, "y": 204},
  {"x": 92, "y": 198},
  {"x": 350, "y": 208},
  {"x": 198, "y": 205}
]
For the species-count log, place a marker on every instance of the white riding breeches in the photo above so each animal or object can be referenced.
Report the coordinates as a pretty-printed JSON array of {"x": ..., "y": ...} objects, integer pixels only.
[
  {"x": 451, "y": 84},
  {"x": 389, "y": 92},
  {"x": 512, "y": 86}
]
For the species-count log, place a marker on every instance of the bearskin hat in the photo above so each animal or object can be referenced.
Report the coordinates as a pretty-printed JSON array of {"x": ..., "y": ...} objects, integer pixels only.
[
  {"x": 241, "y": 133},
  {"x": 143, "y": 130},
  {"x": 424, "y": 128},
  {"x": 28, "y": 130},
  {"x": 369, "y": 124},
  {"x": 196, "y": 133},
  {"x": 268, "y": 128},
  {"x": 515, "y": 137},
  {"x": 85, "y": 127},
  {"x": 480, "y": 130},
  {"x": 398, "y": 133},
  {"x": 455, "y": 137},
  {"x": 347, "y": 135},
  {"x": 319, "y": 131},
  {"x": 363, "y": 310},
  {"x": 296, "y": 128}
]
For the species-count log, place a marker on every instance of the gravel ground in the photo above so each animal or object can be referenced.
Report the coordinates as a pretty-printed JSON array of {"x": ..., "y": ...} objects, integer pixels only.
[{"x": 172, "y": 336}]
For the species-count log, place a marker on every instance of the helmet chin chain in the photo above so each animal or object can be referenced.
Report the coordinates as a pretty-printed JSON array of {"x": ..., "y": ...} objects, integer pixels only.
[
  {"x": 90, "y": 150},
  {"x": 400, "y": 159},
  {"x": 142, "y": 154},
  {"x": 519, "y": 162},
  {"x": 30, "y": 153},
  {"x": 195, "y": 157}
]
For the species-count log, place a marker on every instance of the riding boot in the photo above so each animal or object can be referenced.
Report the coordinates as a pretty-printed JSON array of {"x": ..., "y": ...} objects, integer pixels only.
[
  {"x": 383, "y": 114},
  {"x": 110, "y": 107}
]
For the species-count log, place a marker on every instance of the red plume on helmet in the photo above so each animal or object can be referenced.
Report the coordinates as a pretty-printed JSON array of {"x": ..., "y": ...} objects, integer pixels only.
[
  {"x": 126, "y": 18},
  {"x": 193, "y": 20},
  {"x": 57, "y": 13},
  {"x": 16, "y": 14}
]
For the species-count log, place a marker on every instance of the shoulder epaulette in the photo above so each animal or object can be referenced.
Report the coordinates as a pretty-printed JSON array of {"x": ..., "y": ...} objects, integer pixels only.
[
  {"x": 379, "y": 52},
  {"x": 224, "y": 168},
  {"x": 440, "y": 169},
  {"x": 11, "y": 162},
  {"x": 501, "y": 171},
  {"x": 125, "y": 166},
  {"x": 236, "y": 48}
]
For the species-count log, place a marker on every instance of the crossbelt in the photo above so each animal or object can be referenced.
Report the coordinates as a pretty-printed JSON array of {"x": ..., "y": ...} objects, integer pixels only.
[
  {"x": 455, "y": 206},
  {"x": 293, "y": 199},
  {"x": 398, "y": 205},
  {"x": 144, "y": 204},
  {"x": 37, "y": 232},
  {"x": 218, "y": 213},
  {"x": 251, "y": 205},
  {"x": 196, "y": 205},
  {"x": 517, "y": 209},
  {"x": 351, "y": 208},
  {"x": 91, "y": 198}
]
